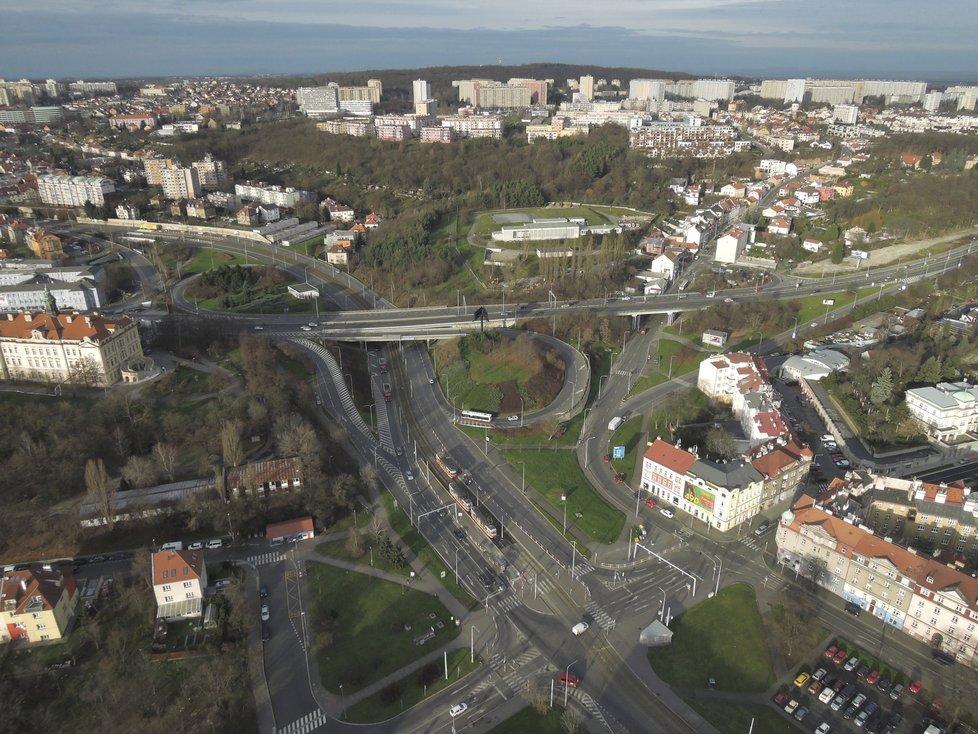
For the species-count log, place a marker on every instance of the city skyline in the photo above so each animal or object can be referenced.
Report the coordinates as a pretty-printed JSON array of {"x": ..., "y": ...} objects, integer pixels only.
[{"x": 129, "y": 38}]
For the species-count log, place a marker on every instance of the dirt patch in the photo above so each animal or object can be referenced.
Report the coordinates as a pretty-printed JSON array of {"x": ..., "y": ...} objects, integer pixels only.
[{"x": 510, "y": 402}]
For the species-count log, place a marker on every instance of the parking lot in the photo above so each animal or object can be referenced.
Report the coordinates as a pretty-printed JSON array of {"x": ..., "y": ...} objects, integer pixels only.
[{"x": 840, "y": 692}]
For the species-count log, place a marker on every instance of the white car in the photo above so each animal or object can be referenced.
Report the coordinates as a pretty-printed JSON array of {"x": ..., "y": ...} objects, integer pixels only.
[
  {"x": 197, "y": 545},
  {"x": 313, "y": 324},
  {"x": 457, "y": 709},
  {"x": 513, "y": 418},
  {"x": 264, "y": 613},
  {"x": 579, "y": 629},
  {"x": 305, "y": 328},
  {"x": 626, "y": 298},
  {"x": 667, "y": 512},
  {"x": 410, "y": 475}
]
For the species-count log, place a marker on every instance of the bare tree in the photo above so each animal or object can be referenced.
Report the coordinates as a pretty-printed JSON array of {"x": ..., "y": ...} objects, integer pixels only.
[
  {"x": 140, "y": 471},
  {"x": 121, "y": 437},
  {"x": 231, "y": 443},
  {"x": 354, "y": 543},
  {"x": 166, "y": 457},
  {"x": 99, "y": 488},
  {"x": 536, "y": 696},
  {"x": 571, "y": 720}
]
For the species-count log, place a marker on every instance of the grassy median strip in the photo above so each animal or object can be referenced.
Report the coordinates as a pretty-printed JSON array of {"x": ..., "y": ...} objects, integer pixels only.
[
  {"x": 556, "y": 473},
  {"x": 629, "y": 435},
  {"x": 704, "y": 647},
  {"x": 412, "y": 689},
  {"x": 401, "y": 523},
  {"x": 529, "y": 720},
  {"x": 365, "y": 628}
]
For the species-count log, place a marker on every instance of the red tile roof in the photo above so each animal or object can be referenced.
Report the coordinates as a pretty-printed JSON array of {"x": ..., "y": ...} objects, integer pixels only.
[
  {"x": 22, "y": 586},
  {"x": 673, "y": 458},
  {"x": 177, "y": 565},
  {"x": 288, "y": 527},
  {"x": 66, "y": 326}
]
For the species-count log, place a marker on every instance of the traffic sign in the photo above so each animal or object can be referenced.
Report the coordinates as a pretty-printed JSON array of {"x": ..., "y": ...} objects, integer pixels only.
[{"x": 618, "y": 452}]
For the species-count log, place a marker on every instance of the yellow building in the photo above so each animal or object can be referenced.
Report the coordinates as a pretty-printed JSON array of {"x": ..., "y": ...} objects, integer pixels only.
[
  {"x": 46, "y": 246},
  {"x": 37, "y": 605}
]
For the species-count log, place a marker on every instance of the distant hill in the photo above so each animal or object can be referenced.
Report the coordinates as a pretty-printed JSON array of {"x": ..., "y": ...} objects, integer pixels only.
[{"x": 397, "y": 82}]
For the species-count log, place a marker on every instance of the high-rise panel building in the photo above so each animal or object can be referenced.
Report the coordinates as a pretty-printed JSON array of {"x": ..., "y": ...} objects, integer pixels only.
[
  {"x": 210, "y": 172},
  {"x": 587, "y": 87},
  {"x": 468, "y": 89},
  {"x": 794, "y": 91},
  {"x": 180, "y": 183},
  {"x": 773, "y": 89},
  {"x": 318, "y": 101},
  {"x": 358, "y": 94},
  {"x": 845, "y": 114},
  {"x": 715, "y": 89},
  {"x": 61, "y": 189},
  {"x": 538, "y": 89},
  {"x": 647, "y": 89},
  {"x": 932, "y": 101},
  {"x": 421, "y": 89},
  {"x": 502, "y": 96},
  {"x": 891, "y": 90}
]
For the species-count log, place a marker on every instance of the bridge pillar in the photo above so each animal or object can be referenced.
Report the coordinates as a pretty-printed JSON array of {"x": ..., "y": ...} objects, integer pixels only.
[{"x": 670, "y": 317}]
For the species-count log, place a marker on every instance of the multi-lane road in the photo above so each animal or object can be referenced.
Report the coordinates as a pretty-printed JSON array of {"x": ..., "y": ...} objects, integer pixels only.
[{"x": 524, "y": 632}]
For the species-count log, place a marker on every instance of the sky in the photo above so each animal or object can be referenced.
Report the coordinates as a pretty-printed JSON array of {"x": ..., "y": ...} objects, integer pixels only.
[{"x": 931, "y": 40}]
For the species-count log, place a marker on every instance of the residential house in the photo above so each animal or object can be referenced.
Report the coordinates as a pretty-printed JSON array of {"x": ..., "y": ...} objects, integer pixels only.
[
  {"x": 734, "y": 189},
  {"x": 248, "y": 216},
  {"x": 731, "y": 244},
  {"x": 46, "y": 246},
  {"x": 179, "y": 579},
  {"x": 946, "y": 410},
  {"x": 911, "y": 160},
  {"x": 784, "y": 464},
  {"x": 200, "y": 209},
  {"x": 338, "y": 255},
  {"x": 812, "y": 245},
  {"x": 779, "y": 226},
  {"x": 372, "y": 221},
  {"x": 37, "y": 604},
  {"x": 340, "y": 212},
  {"x": 666, "y": 265}
]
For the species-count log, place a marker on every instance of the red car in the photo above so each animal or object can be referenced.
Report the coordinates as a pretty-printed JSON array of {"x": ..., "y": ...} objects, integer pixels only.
[
  {"x": 606, "y": 458},
  {"x": 619, "y": 478},
  {"x": 830, "y": 651},
  {"x": 780, "y": 698},
  {"x": 650, "y": 503},
  {"x": 571, "y": 681},
  {"x": 643, "y": 331},
  {"x": 872, "y": 678},
  {"x": 916, "y": 686},
  {"x": 840, "y": 657}
]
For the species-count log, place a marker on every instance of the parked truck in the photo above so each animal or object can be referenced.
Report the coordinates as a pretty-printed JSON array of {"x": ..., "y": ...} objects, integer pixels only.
[
  {"x": 615, "y": 422},
  {"x": 387, "y": 392}
]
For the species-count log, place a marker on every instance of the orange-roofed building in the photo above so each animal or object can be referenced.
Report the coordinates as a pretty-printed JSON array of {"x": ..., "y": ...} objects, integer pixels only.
[
  {"x": 784, "y": 464},
  {"x": 932, "y": 601},
  {"x": 290, "y": 531},
  {"x": 49, "y": 346},
  {"x": 37, "y": 604},
  {"x": 179, "y": 580}
]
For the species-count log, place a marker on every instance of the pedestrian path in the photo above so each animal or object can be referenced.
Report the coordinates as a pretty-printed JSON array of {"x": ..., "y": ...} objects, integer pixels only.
[
  {"x": 308, "y": 723},
  {"x": 263, "y": 559},
  {"x": 582, "y": 568},
  {"x": 507, "y": 603},
  {"x": 599, "y": 615}
]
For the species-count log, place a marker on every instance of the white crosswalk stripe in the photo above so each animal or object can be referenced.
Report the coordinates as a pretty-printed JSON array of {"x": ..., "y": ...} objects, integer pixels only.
[
  {"x": 751, "y": 542},
  {"x": 602, "y": 618},
  {"x": 308, "y": 723},
  {"x": 582, "y": 568},
  {"x": 507, "y": 603},
  {"x": 589, "y": 704},
  {"x": 266, "y": 558}
]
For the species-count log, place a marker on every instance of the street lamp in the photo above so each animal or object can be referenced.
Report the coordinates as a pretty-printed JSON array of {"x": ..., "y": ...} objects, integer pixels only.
[
  {"x": 563, "y": 499},
  {"x": 523, "y": 476},
  {"x": 601, "y": 384},
  {"x": 371, "y": 408},
  {"x": 584, "y": 426},
  {"x": 521, "y": 411},
  {"x": 567, "y": 687},
  {"x": 719, "y": 569},
  {"x": 456, "y": 563}
]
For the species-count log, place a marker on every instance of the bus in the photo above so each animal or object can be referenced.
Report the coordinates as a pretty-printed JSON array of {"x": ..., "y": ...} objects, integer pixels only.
[
  {"x": 447, "y": 466},
  {"x": 475, "y": 416}
]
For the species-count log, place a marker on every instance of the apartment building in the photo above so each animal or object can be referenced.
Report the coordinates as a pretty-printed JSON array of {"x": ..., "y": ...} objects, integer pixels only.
[
  {"x": 713, "y": 89},
  {"x": 539, "y": 89},
  {"x": 37, "y": 604},
  {"x": 318, "y": 101},
  {"x": 61, "y": 189},
  {"x": 421, "y": 90},
  {"x": 931, "y": 601},
  {"x": 671, "y": 139},
  {"x": 475, "y": 126},
  {"x": 46, "y": 245},
  {"x": 179, "y": 579},
  {"x": 653, "y": 90},
  {"x": 586, "y": 87},
  {"x": 50, "y": 346},
  {"x": 369, "y": 93},
  {"x": 210, "y": 172},
  {"x": 946, "y": 410},
  {"x": 269, "y": 194},
  {"x": 503, "y": 96},
  {"x": 180, "y": 183},
  {"x": 346, "y": 126}
]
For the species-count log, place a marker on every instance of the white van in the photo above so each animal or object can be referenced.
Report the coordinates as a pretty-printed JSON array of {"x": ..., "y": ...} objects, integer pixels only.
[
  {"x": 173, "y": 545},
  {"x": 579, "y": 629}
]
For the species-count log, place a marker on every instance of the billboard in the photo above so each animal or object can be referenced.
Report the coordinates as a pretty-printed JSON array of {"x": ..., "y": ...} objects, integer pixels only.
[
  {"x": 618, "y": 452},
  {"x": 699, "y": 496},
  {"x": 828, "y": 301}
]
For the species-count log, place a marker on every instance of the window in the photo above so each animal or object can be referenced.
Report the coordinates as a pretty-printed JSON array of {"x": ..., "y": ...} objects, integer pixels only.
[
  {"x": 166, "y": 587},
  {"x": 933, "y": 620},
  {"x": 914, "y": 624},
  {"x": 187, "y": 584},
  {"x": 190, "y": 595},
  {"x": 168, "y": 598}
]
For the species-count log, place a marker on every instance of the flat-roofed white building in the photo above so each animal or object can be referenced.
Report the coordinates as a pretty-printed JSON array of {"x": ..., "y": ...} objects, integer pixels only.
[
  {"x": 62, "y": 189},
  {"x": 946, "y": 410}
]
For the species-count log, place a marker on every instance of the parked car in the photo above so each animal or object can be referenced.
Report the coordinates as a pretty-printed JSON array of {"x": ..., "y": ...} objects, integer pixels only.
[
  {"x": 264, "y": 613},
  {"x": 884, "y": 684},
  {"x": 263, "y": 591},
  {"x": 196, "y": 545},
  {"x": 761, "y": 529},
  {"x": 819, "y": 674},
  {"x": 801, "y": 679},
  {"x": 896, "y": 691},
  {"x": 780, "y": 698},
  {"x": 791, "y": 706},
  {"x": 864, "y": 715},
  {"x": 862, "y": 671},
  {"x": 851, "y": 664},
  {"x": 667, "y": 512},
  {"x": 215, "y": 543},
  {"x": 569, "y": 680},
  {"x": 815, "y": 687},
  {"x": 650, "y": 503},
  {"x": 801, "y": 713},
  {"x": 872, "y": 678},
  {"x": 827, "y": 695},
  {"x": 840, "y": 656},
  {"x": 823, "y": 728},
  {"x": 830, "y": 651},
  {"x": 915, "y": 687},
  {"x": 266, "y": 632}
]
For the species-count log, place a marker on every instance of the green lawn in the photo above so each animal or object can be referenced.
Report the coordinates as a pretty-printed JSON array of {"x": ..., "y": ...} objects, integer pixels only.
[
  {"x": 411, "y": 690},
  {"x": 370, "y": 557},
  {"x": 373, "y": 624},
  {"x": 738, "y": 718},
  {"x": 672, "y": 350},
  {"x": 704, "y": 646},
  {"x": 274, "y": 300},
  {"x": 556, "y": 473},
  {"x": 629, "y": 435},
  {"x": 529, "y": 720},
  {"x": 401, "y": 522},
  {"x": 206, "y": 259}
]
